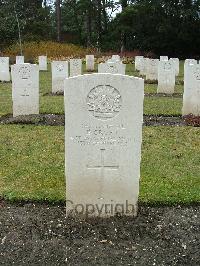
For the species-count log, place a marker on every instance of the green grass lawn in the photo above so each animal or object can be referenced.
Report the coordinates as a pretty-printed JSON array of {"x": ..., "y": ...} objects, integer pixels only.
[
  {"x": 32, "y": 164},
  {"x": 55, "y": 104},
  {"x": 32, "y": 157}
]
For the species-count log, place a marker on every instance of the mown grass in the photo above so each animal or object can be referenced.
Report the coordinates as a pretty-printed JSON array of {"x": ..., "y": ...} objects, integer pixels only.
[
  {"x": 32, "y": 157},
  {"x": 32, "y": 164},
  {"x": 55, "y": 104}
]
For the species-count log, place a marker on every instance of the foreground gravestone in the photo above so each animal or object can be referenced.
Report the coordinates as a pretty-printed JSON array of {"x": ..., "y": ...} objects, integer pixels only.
[
  {"x": 59, "y": 74},
  {"x": 75, "y": 67},
  {"x": 152, "y": 69},
  {"x": 20, "y": 59},
  {"x": 112, "y": 68},
  {"x": 103, "y": 135},
  {"x": 191, "y": 96},
  {"x": 166, "y": 77},
  {"x": 90, "y": 63},
  {"x": 163, "y": 58},
  {"x": 4, "y": 69},
  {"x": 138, "y": 62},
  {"x": 43, "y": 62},
  {"x": 25, "y": 89}
]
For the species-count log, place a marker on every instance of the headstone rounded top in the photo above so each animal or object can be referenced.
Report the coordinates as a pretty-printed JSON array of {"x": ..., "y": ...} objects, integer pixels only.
[{"x": 104, "y": 102}]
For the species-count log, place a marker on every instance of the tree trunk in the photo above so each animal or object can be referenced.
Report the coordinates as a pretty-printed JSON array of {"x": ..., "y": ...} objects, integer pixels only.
[
  {"x": 58, "y": 20},
  {"x": 124, "y": 4},
  {"x": 99, "y": 25},
  {"x": 89, "y": 25}
]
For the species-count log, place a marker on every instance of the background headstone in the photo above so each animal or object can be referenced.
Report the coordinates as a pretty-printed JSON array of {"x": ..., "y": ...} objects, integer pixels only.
[
  {"x": 103, "y": 136},
  {"x": 138, "y": 62},
  {"x": 25, "y": 89},
  {"x": 19, "y": 59},
  {"x": 191, "y": 96},
  {"x": 59, "y": 74},
  {"x": 166, "y": 77},
  {"x": 43, "y": 62},
  {"x": 116, "y": 58},
  {"x": 75, "y": 67},
  {"x": 152, "y": 69},
  {"x": 176, "y": 64},
  {"x": 4, "y": 69},
  {"x": 163, "y": 58},
  {"x": 112, "y": 68},
  {"x": 89, "y": 62}
]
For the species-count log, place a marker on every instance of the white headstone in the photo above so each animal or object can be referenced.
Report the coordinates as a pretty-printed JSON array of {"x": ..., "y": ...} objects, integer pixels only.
[
  {"x": 103, "y": 136},
  {"x": 20, "y": 59},
  {"x": 163, "y": 58},
  {"x": 176, "y": 63},
  {"x": 25, "y": 89},
  {"x": 138, "y": 62},
  {"x": 59, "y": 74},
  {"x": 89, "y": 62},
  {"x": 116, "y": 58},
  {"x": 144, "y": 64},
  {"x": 75, "y": 67},
  {"x": 152, "y": 69},
  {"x": 4, "y": 69},
  {"x": 166, "y": 77},
  {"x": 191, "y": 96},
  {"x": 43, "y": 62},
  {"x": 112, "y": 68}
]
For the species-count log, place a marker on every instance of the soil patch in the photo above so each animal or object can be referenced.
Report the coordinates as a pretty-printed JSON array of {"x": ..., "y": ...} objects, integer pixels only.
[
  {"x": 39, "y": 234},
  {"x": 174, "y": 95},
  {"x": 59, "y": 120}
]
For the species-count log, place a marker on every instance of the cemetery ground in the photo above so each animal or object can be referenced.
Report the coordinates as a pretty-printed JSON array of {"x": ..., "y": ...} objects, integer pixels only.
[{"x": 33, "y": 229}]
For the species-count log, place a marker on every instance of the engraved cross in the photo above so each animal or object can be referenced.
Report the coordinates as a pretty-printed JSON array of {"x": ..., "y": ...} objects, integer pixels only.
[{"x": 102, "y": 167}]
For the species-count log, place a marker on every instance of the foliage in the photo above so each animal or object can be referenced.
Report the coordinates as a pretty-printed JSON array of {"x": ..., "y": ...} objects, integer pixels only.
[{"x": 53, "y": 50}]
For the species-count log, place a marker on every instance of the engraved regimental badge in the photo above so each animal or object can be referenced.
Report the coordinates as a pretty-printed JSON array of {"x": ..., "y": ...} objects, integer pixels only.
[{"x": 104, "y": 102}]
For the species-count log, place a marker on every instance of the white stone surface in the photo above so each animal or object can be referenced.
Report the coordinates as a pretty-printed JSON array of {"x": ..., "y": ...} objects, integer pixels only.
[
  {"x": 4, "y": 69},
  {"x": 25, "y": 89},
  {"x": 103, "y": 136},
  {"x": 164, "y": 58},
  {"x": 144, "y": 64},
  {"x": 138, "y": 59},
  {"x": 166, "y": 77},
  {"x": 116, "y": 58},
  {"x": 176, "y": 63},
  {"x": 152, "y": 69},
  {"x": 191, "y": 96},
  {"x": 75, "y": 67},
  {"x": 89, "y": 62},
  {"x": 43, "y": 62},
  {"x": 19, "y": 59},
  {"x": 112, "y": 68},
  {"x": 60, "y": 72}
]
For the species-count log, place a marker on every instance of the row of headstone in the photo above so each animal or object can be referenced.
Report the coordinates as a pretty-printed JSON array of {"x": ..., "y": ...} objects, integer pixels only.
[
  {"x": 163, "y": 70},
  {"x": 113, "y": 65},
  {"x": 166, "y": 79}
]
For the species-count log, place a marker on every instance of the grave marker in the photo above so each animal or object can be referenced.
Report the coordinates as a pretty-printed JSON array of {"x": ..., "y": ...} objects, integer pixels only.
[
  {"x": 191, "y": 96},
  {"x": 4, "y": 69},
  {"x": 166, "y": 77},
  {"x": 75, "y": 67},
  {"x": 43, "y": 62},
  {"x": 112, "y": 68},
  {"x": 103, "y": 144},
  {"x": 59, "y": 74},
  {"x": 90, "y": 63},
  {"x": 25, "y": 89},
  {"x": 20, "y": 59}
]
